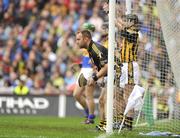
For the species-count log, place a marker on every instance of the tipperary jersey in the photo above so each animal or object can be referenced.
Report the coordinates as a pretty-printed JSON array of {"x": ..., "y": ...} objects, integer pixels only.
[
  {"x": 105, "y": 43},
  {"x": 86, "y": 61}
]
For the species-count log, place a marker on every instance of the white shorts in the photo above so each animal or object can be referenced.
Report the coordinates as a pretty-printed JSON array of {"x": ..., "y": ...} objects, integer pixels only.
[
  {"x": 124, "y": 74},
  {"x": 87, "y": 72}
]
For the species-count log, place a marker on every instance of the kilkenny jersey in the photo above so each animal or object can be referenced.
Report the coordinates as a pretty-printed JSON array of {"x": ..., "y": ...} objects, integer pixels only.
[
  {"x": 98, "y": 54},
  {"x": 129, "y": 45}
]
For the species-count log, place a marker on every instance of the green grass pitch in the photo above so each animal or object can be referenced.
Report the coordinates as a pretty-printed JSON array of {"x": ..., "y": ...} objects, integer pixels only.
[{"x": 53, "y": 127}]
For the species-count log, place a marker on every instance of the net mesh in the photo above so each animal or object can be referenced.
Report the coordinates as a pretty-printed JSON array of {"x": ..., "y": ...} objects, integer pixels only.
[{"x": 155, "y": 58}]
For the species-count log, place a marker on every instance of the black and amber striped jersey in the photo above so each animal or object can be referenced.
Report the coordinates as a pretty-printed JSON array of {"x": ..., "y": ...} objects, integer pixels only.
[
  {"x": 129, "y": 45},
  {"x": 98, "y": 54}
]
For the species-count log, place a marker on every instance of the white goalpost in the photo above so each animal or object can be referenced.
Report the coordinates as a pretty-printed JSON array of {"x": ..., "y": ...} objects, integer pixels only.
[{"x": 110, "y": 80}]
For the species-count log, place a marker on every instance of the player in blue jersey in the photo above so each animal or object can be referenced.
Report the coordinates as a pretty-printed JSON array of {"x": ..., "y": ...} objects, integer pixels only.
[{"x": 84, "y": 94}]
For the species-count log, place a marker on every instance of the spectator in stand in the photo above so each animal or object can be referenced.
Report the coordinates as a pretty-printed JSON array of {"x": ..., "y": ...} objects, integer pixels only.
[
  {"x": 21, "y": 88},
  {"x": 36, "y": 36}
]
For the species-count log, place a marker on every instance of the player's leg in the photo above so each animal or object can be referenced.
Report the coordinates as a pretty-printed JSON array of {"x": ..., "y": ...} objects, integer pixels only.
[
  {"x": 129, "y": 117},
  {"x": 89, "y": 93},
  {"x": 102, "y": 110},
  {"x": 119, "y": 106},
  {"x": 80, "y": 97},
  {"x": 133, "y": 78},
  {"x": 119, "y": 102},
  {"x": 102, "y": 103}
]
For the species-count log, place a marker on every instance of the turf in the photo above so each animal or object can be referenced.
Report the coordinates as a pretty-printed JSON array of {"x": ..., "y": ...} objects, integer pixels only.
[{"x": 53, "y": 127}]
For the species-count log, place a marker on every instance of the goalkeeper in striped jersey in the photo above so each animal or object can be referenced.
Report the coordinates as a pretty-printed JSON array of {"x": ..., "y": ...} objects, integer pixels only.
[{"x": 128, "y": 29}]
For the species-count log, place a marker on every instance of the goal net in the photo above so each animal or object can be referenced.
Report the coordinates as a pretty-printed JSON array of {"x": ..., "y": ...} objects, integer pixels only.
[{"x": 158, "y": 57}]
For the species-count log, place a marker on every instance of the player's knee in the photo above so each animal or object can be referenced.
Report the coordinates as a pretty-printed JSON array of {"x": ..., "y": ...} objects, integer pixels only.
[
  {"x": 89, "y": 98},
  {"x": 76, "y": 95},
  {"x": 101, "y": 101}
]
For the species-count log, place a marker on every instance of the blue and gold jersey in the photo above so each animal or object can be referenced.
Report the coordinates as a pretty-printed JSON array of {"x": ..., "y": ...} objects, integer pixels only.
[
  {"x": 105, "y": 43},
  {"x": 86, "y": 61}
]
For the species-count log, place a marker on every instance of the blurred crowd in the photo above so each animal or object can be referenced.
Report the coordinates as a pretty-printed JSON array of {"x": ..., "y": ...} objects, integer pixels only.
[{"x": 37, "y": 44}]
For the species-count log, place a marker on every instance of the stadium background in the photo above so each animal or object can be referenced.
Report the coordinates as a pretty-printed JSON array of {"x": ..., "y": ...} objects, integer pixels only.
[
  {"x": 37, "y": 48},
  {"x": 37, "y": 43}
]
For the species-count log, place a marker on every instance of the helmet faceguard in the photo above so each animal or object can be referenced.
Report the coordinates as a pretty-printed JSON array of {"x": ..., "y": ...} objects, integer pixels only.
[{"x": 131, "y": 20}]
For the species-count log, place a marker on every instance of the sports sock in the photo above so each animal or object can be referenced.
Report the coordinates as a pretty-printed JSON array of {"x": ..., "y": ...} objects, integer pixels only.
[
  {"x": 86, "y": 111},
  {"x": 118, "y": 118},
  {"x": 91, "y": 116},
  {"x": 102, "y": 122},
  {"x": 128, "y": 122}
]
